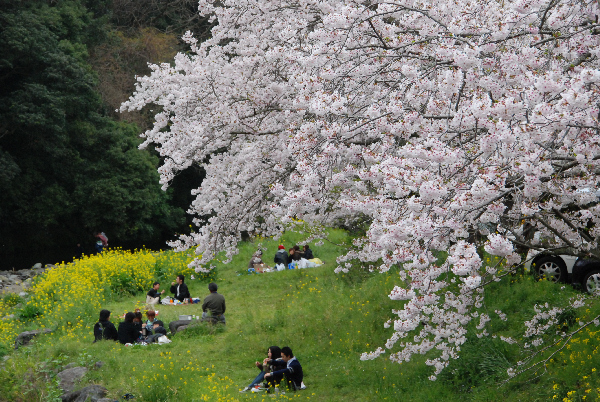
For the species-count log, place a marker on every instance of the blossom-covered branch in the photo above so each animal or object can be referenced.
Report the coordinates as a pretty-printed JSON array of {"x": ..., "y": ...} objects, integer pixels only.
[{"x": 436, "y": 120}]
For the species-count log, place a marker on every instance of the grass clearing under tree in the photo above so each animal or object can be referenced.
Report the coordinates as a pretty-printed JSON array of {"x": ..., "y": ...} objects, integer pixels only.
[{"x": 327, "y": 319}]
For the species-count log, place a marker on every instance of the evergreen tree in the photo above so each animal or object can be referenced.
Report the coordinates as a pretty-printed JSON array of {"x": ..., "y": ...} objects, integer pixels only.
[{"x": 66, "y": 169}]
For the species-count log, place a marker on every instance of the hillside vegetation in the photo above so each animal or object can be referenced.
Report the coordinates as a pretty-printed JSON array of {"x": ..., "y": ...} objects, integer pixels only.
[
  {"x": 314, "y": 311},
  {"x": 70, "y": 165}
]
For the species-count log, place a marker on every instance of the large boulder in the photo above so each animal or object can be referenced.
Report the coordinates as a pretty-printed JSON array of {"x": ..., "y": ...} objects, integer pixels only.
[
  {"x": 25, "y": 337},
  {"x": 69, "y": 377},
  {"x": 175, "y": 325},
  {"x": 91, "y": 393}
]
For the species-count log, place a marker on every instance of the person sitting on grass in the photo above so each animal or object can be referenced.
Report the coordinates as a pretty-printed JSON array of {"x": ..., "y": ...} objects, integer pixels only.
[
  {"x": 214, "y": 303},
  {"x": 255, "y": 259},
  {"x": 138, "y": 317},
  {"x": 180, "y": 289},
  {"x": 272, "y": 353},
  {"x": 308, "y": 254},
  {"x": 299, "y": 251},
  {"x": 156, "y": 332},
  {"x": 151, "y": 321},
  {"x": 292, "y": 371},
  {"x": 154, "y": 328},
  {"x": 293, "y": 256},
  {"x": 104, "y": 329},
  {"x": 153, "y": 295},
  {"x": 280, "y": 258},
  {"x": 129, "y": 332}
]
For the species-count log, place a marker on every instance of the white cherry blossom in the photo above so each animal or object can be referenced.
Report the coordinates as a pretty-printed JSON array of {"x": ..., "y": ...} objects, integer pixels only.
[{"x": 440, "y": 126}]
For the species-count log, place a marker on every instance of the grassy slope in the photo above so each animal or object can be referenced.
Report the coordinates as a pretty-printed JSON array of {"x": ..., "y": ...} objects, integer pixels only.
[{"x": 327, "y": 319}]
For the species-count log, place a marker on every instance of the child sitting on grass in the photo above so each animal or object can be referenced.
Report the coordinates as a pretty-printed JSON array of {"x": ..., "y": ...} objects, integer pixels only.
[{"x": 155, "y": 328}]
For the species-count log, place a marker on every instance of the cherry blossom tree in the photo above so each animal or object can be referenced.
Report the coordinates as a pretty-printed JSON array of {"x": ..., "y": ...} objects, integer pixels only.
[{"x": 449, "y": 125}]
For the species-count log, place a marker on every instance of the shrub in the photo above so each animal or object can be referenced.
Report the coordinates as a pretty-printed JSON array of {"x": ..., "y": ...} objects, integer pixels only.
[
  {"x": 482, "y": 360},
  {"x": 11, "y": 299},
  {"x": 65, "y": 296}
]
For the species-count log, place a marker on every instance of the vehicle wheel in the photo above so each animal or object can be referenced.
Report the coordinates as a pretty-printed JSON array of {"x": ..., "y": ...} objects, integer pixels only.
[
  {"x": 591, "y": 281},
  {"x": 551, "y": 268}
]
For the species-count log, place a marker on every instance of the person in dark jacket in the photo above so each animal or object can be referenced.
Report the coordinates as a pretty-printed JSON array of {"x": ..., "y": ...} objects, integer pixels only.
[
  {"x": 293, "y": 256},
  {"x": 273, "y": 353},
  {"x": 280, "y": 256},
  {"x": 104, "y": 329},
  {"x": 308, "y": 254},
  {"x": 290, "y": 367},
  {"x": 79, "y": 252},
  {"x": 129, "y": 332},
  {"x": 299, "y": 251},
  {"x": 154, "y": 293},
  {"x": 214, "y": 303},
  {"x": 180, "y": 289}
]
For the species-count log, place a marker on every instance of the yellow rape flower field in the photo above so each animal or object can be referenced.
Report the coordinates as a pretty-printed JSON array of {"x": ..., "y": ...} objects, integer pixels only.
[{"x": 327, "y": 319}]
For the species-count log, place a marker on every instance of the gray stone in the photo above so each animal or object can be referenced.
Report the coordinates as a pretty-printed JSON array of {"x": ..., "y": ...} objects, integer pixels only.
[
  {"x": 91, "y": 393},
  {"x": 174, "y": 325},
  {"x": 69, "y": 377},
  {"x": 37, "y": 265},
  {"x": 25, "y": 337},
  {"x": 98, "y": 364},
  {"x": 22, "y": 294},
  {"x": 12, "y": 289}
]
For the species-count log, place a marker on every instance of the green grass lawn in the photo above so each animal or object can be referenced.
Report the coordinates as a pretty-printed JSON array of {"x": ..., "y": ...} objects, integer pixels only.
[{"x": 327, "y": 319}]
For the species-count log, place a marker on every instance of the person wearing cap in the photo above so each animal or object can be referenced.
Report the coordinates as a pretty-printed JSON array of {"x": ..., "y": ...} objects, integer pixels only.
[
  {"x": 214, "y": 304},
  {"x": 281, "y": 258}
]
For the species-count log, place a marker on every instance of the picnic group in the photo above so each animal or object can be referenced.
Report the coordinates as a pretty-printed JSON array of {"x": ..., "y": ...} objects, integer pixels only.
[
  {"x": 294, "y": 258},
  {"x": 278, "y": 370}
]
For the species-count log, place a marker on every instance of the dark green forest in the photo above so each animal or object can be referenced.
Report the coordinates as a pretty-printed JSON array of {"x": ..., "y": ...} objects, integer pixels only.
[{"x": 69, "y": 164}]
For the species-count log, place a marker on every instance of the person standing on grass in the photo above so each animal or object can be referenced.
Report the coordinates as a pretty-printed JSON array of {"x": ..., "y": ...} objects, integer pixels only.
[
  {"x": 104, "y": 329},
  {"x": 214, "y": 303},
  {"x": 292, "y": 371},
  {"x": 180, "y": 289},
  {"x": 79, "y": 252}
]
